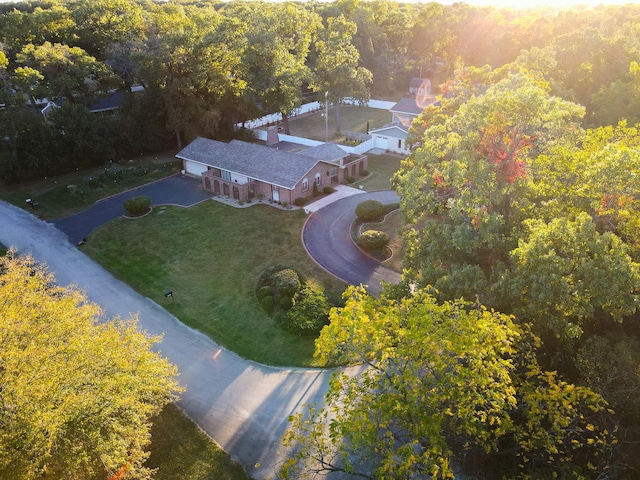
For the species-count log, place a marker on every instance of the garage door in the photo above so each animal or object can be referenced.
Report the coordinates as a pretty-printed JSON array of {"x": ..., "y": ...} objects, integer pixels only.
[{"x": 194, "y": 168}]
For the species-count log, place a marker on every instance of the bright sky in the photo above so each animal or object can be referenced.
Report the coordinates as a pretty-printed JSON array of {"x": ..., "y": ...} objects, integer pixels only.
[{"x": 539, "y": 3}]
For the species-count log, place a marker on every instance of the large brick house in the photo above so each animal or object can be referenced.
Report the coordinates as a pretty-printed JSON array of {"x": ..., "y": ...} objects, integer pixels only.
[{"x": 245, "y": 171}]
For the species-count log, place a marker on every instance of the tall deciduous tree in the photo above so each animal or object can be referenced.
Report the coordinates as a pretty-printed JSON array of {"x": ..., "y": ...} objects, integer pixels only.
[
  {"x": 67, "y": 72},
  {"x": 102, "y": 23},
  {"x": 566, "y": 273},
  {"x": 77, "y": 396},
  {"x": 336, "y": 69},
  {"x": 443, "y": 385},
  {"x": 464, "y": 190},
  {"x": 275, "y": 60}
]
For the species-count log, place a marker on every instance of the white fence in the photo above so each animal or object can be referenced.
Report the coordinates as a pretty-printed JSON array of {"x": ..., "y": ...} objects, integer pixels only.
[{"x": 306, "y": 108}]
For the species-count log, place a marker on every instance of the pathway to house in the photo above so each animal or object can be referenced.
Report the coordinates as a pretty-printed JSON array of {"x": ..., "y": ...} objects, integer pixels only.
[{"x": 243, "y": 405}]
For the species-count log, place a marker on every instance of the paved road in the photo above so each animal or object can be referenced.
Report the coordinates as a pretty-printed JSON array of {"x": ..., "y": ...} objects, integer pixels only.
[
  {"x": 327, "y": 238},
  {"x": 175, "y": 190},
  {"x": 242, "y": 405}
]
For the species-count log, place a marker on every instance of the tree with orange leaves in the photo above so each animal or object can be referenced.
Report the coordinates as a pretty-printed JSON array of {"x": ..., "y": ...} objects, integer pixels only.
[{"x": 465, "y": 190}]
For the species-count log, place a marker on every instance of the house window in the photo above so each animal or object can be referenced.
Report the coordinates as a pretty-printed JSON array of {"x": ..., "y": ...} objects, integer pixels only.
[
  {"x": 399, "y": 143},
  {"x": 318, "y": 179},
  {"x": 226, "y": 175},
  {"x": 305, "y": 185},
  {"x": 334, "y": 171}
]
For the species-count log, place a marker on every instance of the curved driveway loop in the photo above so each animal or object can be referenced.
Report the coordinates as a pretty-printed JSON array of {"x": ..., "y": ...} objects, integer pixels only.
[
  {"x": 327, "y": 238},
  {"x": 175, "y": 190}
]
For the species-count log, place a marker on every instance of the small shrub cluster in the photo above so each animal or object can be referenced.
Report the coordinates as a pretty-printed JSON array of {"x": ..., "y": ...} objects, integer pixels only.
[
  {"x": 370, "y": 210},
  {"x": 294, "y": 305},
  {"x": 373, "y": 240},
  {"x": 300, "y": 202},
  {"x": 309, "y": 313},
  {"x": 351, "y": 179},
  {"x": 276, "y": 288},
  {"x": 328, "y": 190},
  {"x": 364, "y": 173},
  {"x": 286, "y": 282},
  {"x": 137, "y": 205}
]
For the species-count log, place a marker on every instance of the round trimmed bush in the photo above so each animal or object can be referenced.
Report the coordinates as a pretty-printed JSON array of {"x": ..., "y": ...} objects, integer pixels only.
[
  {"x": 265, "y": 291},
  {"x": 287, "y": 282},
  {"x": 373, "y": 240},
  {"x": 328, "y": 190},
  {"x": 370, "y": 210},
  {"x": 309, "y": 314},
  {"x": 267, "y": 304},
  {"x": 364, "y": 173},
  {"x": 351, "y": 179},
  {"x": 285, "y": 303},
  {"x": 137, "y": 205},
  {"x": 300, "y": 201}
]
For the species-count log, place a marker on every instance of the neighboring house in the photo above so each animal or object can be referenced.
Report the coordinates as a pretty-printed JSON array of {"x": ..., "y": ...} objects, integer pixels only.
[
  {"x": 392, "y": 137},
  {"x": 246, "y": 170},
  {"x": 106, "y": 106}
]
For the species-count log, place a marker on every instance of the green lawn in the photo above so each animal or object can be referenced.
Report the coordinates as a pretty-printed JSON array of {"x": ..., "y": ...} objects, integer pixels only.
[
  {"x": 352, "y": 118},
  {"x": 65, "y": 195},
  {"x": 381, "y": 168},
  {"x": 180, "y": 450},
  {"x": 211, "y": 256}
]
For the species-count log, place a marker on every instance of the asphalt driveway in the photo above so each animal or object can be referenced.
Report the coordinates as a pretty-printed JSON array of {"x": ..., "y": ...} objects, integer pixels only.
[
  {"x": 175, "y": 190},
  {"x": 327, "y": 238}
]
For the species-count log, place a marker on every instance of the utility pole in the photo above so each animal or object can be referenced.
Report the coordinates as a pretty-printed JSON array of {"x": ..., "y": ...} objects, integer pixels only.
[{"x": 326, "y": 117}]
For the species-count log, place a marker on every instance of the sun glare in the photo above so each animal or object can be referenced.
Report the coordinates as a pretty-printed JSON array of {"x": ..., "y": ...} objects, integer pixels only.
[{"x": 539, "y": 3}]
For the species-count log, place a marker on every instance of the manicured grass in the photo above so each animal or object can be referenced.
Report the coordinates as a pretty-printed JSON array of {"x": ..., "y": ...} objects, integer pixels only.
[
  {"x": 180, "y": 450},
  {"x": 352, "y": 118},
  {"x": 211, "y": 256},
  {"x": 381, "y": 168},
  {"x": 71, "y": 193},
  {"x": 391, "y": 224}
]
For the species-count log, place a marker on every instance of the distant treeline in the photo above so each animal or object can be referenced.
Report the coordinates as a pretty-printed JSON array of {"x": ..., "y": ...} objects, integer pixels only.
[{"x": 206, "y": 65}]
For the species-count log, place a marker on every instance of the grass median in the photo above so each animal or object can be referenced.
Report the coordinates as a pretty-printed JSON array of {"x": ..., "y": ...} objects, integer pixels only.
[{"x": 211, "y": 256}]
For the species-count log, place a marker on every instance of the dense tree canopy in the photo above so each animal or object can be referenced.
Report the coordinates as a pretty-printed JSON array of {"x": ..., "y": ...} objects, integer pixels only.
[
  {"x": 206, "y": 66},
  {"x": 77, "y": 396},
  {"x": 445, "y": 387}
]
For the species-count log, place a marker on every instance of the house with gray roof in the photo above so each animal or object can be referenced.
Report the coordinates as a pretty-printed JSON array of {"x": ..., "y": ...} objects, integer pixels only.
[
  {"x": 393, "y": 136},
  {"x": 245, "y": 170}
]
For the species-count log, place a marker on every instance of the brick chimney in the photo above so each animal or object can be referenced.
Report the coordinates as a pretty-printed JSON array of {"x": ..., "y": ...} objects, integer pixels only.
[{"x": 272, "y": 135}]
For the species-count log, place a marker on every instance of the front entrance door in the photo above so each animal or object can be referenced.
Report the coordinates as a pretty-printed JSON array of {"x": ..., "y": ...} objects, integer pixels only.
[{"x": 275, "y": 193}]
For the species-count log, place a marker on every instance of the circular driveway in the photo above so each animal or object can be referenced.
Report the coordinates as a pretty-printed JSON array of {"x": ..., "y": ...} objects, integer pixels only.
[{"x": 327, "y": 237}]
